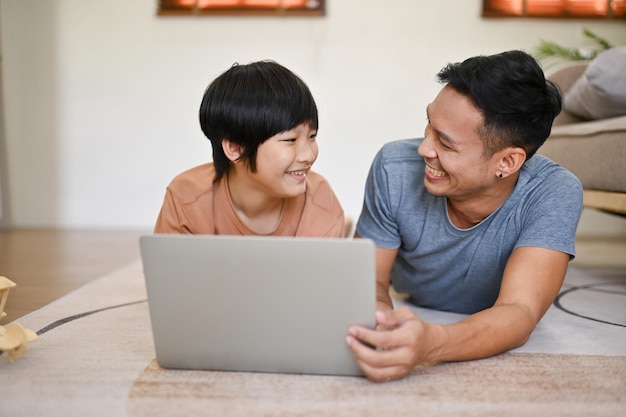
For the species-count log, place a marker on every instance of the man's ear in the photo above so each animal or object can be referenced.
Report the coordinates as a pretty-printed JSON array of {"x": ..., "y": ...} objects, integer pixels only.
[
  {"x": 510, "y": 161},
  {"x": 231, "y": 150}
]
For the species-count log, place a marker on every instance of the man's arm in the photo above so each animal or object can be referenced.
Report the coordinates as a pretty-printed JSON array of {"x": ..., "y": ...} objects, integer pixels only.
[
  {"x": 531, "y": 281},
  {"x": 384, "y": 263}
]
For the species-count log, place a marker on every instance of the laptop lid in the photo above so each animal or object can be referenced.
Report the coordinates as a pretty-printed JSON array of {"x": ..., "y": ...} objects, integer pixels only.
[{"x": 259, "y": 304}]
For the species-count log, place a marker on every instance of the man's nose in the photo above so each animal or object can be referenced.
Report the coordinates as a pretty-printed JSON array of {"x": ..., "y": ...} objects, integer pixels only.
[{"x": 426, "y": 149}]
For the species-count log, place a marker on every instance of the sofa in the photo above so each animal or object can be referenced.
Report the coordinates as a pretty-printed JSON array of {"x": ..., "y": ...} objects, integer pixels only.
[{"x": 589, "y": 135}]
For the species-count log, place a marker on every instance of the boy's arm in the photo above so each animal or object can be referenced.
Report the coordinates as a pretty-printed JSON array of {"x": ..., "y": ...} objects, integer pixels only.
[{"x": 168, "y": 220}]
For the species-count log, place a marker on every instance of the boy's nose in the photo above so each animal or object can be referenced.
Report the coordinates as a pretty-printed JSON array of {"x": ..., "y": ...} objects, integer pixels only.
[{"x": 307, "y": 151}]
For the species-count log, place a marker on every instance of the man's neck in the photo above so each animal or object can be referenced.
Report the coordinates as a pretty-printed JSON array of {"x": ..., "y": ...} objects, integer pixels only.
[{"x": 467, "y": 213}]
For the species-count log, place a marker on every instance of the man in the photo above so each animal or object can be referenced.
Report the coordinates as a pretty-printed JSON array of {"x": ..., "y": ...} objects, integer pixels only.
[{"x": 468, "y": 219}]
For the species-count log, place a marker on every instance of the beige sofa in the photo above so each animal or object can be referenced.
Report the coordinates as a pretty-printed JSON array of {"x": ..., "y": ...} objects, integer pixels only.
[{"x": 594, "y": 150}]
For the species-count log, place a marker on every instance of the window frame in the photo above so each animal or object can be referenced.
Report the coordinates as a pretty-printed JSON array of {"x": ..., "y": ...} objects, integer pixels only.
[
  {"x": 615, "y": 9},
  {"x": 163, "y": 9}
]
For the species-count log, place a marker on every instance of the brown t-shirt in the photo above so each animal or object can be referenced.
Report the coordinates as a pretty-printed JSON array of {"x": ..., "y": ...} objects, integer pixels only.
[{"x": 195, "y": 204}]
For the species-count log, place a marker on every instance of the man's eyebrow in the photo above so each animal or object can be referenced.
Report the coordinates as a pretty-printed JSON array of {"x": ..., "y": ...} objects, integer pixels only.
[
  {"x": 447, "y": 138},
  {"x": 444, "y": 137}
]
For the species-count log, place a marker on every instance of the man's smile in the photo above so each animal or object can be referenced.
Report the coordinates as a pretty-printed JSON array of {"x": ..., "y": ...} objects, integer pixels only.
[{"x": 435, "y": 172}]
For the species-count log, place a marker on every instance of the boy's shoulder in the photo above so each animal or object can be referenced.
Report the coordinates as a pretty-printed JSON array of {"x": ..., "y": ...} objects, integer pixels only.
[
  {"x": 320, "y": 192},
  {"x": 315, "y": 182},
  {"x": 194, "y": 182}
]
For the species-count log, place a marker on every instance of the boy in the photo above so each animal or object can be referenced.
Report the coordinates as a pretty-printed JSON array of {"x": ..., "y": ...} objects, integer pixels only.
[{"x": 262, "y": 122}]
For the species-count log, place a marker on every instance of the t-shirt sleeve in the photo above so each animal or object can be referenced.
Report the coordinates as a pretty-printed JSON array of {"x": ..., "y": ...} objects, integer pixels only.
[
  {"x": 377, "y": 220},
  {"x": 169, "y": 217},
  {"x": 188, "y": 204},
  {"x": 552, "y": 213}
]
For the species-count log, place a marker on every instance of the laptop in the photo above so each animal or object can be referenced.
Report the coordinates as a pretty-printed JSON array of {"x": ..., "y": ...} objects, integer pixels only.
[{"x": 258, "y": 304}]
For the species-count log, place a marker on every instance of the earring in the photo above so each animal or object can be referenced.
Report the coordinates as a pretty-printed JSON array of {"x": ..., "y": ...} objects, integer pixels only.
[{"x": 499, "y": 175}]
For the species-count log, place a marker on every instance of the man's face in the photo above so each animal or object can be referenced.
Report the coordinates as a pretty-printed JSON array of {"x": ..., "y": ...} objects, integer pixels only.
[{"x": 452, "y": 149}]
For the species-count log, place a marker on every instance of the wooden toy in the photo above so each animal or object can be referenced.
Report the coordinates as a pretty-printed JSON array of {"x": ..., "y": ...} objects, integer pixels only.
[{"x": 14, "y": 338}]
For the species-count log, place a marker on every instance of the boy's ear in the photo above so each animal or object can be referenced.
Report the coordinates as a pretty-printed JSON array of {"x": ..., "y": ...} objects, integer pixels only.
[{"x": 231, "y": 150}]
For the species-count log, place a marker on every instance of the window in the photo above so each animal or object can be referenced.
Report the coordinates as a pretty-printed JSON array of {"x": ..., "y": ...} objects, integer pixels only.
[
  {"x": 588, "y": 9},
  {"x": 241, "y": 7}
]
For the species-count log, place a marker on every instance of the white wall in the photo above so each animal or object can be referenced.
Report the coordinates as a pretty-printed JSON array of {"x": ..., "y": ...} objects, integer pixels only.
[{"x": 101, "y": 97}]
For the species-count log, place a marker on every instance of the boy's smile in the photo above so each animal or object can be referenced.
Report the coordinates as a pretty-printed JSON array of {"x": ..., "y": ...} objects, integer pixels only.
[{"x": 298, "y": 175}]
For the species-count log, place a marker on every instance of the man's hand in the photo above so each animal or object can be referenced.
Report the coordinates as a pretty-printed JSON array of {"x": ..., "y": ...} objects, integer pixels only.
[{"x": 400, "y": 342}]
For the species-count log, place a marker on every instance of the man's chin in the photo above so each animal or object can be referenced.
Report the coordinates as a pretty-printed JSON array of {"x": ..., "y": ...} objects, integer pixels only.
[{"x": 436, "y": 191}]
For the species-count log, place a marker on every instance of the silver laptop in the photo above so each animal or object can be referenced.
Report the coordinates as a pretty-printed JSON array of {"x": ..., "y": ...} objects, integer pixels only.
[{"x": 258, "y": 304}]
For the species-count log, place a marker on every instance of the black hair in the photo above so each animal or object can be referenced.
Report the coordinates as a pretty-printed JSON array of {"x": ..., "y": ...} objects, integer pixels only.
[
  {"x": 518, "y": 104},
  {"x": 250, "y": 103}
]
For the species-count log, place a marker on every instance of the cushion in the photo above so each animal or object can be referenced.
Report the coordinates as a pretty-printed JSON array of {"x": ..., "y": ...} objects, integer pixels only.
[
  {"x": 615, "y": 125},
  {"x": 601, "y": 91}
]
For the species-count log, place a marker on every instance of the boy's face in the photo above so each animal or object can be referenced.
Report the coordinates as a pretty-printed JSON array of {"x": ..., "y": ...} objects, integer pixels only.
[{"x": 284, "y": 160}]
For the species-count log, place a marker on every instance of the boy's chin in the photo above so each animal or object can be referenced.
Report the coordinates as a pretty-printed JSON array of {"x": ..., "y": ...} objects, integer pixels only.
[{"x": 295, "y": 191}]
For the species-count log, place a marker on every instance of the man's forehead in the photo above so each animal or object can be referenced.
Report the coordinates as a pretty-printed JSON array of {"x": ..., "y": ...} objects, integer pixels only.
[
  {"x": 454, "y": 116},
  {"x": 450, "y": 102}
]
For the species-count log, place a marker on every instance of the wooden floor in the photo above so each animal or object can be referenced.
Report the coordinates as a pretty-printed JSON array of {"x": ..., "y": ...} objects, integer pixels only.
[{"x": 47, "y": 264}]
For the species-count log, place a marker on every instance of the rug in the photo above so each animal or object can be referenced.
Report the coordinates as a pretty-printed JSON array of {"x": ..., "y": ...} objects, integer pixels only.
[
  {"x": 95, "y": 356},
  {"x": 510, "y": 384}
]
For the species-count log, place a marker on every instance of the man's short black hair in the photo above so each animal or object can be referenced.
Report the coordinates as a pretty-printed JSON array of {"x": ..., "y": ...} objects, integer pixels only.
[
  {"x": 250, "y": 103},
  {"x": 518, "y": 104}
]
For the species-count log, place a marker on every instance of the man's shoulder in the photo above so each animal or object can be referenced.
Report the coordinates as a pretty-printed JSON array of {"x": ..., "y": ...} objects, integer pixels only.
[
  {"x": 189, "y": 185},
  {"x": 546, "y": 185},
  {"x": 549, "y": 172},
  {"x": 399, "y": 161}
]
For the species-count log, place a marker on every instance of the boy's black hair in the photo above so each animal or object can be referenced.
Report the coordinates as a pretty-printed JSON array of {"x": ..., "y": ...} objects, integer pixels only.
[
  {"x": 518, "y": 104},
  {"x": 250, "y": 103}
]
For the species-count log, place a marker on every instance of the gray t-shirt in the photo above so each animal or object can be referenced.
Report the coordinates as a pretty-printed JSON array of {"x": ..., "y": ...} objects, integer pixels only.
[{"x": 446, "y": 268}]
